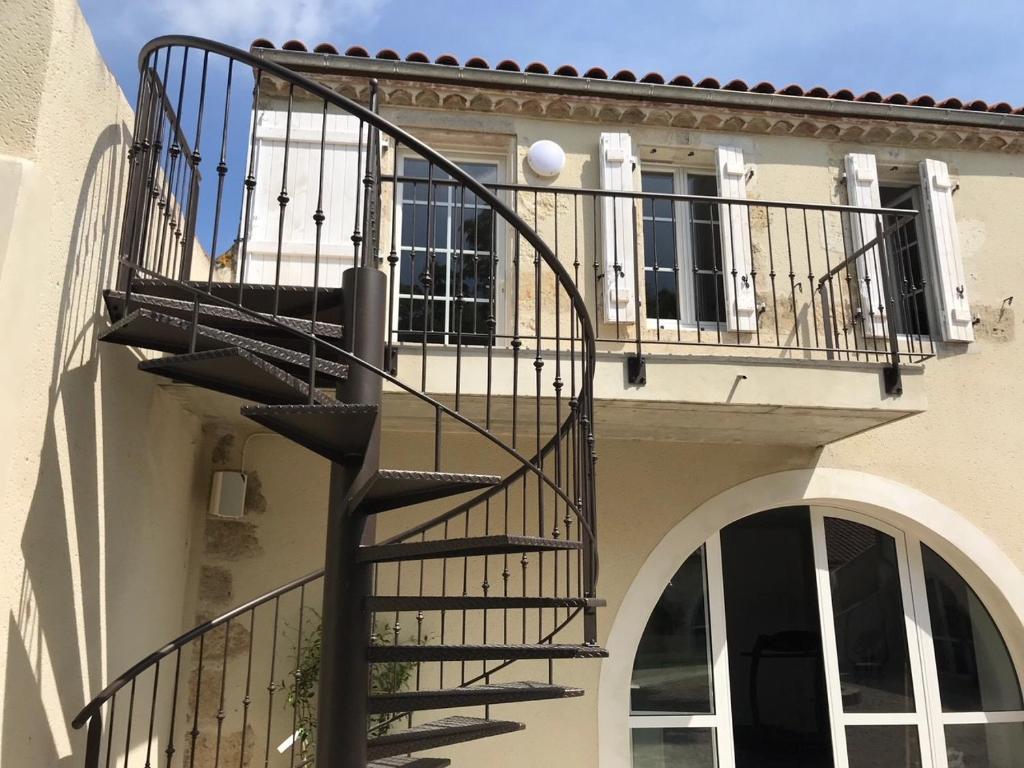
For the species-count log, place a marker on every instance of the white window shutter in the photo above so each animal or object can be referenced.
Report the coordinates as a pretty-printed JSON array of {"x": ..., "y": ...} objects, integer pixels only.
[
  {"x": 862, "y": 190},
  {"x": 618, "y": 250},
  {"x": 939, "y": 221},
  {"x": 740, "y": 302}
]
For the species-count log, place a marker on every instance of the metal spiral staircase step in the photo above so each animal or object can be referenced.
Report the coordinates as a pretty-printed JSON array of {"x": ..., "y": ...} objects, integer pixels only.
[
  {"x": 440, "y": 733},
  {"x": 337, "y": 431},
  {"x": 235, "y": 371},
  {"x": 499, "y": 544},
  {"x": 406, "y": 761},
  {"x": 476, "y": 695},
  {"x": 227, "y": 318},
  {"x": 394, "y": 488},
  {"x": 157, "y": 331},
  {"x": 389, "y": 603},
  {"x": 292, "y": 300},
  {"x": 481, "y": 652}
]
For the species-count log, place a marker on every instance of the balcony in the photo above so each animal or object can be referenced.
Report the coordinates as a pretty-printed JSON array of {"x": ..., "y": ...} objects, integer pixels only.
[{"x": 717, "y": 319}]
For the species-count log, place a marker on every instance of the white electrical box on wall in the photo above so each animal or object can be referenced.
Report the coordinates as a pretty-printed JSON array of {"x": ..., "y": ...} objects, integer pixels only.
[{"x": 227, "y": 494}]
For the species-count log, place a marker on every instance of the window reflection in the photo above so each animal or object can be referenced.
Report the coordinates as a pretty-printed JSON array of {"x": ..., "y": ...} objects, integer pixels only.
[
  {"x": 871, "y": 630},
  {"x": 975, "y": 670},
  {"x": 672, "y": 670}
]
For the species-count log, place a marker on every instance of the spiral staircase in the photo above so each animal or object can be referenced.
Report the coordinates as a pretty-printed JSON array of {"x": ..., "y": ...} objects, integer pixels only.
[{"x": 311, "y": 362}]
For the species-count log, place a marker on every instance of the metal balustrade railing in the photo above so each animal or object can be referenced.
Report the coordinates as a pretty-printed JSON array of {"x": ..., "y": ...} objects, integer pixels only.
[
  {"x": 691, "y": 272},
  {"x": 210, "y": 175}
]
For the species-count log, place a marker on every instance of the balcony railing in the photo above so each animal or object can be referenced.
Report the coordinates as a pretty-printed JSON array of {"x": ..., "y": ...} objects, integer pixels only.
[{"x": 662, "y": 273}]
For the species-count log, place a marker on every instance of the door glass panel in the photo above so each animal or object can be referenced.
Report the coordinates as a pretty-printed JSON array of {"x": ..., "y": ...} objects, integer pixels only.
[
  {"x": 867, "y": 605},
  {"x": 777, "y": 676},
  {"x": 985, "y": 745},
  {"x": 674, "y": 748},
  {"x": 672, "y": 670},
  {"x": 974, "y": 666},
  {"x": 883, "y": 746}
]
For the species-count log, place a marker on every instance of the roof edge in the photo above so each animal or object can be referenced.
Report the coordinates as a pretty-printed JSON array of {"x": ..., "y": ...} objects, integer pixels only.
[{"x": 327, "y": 63}]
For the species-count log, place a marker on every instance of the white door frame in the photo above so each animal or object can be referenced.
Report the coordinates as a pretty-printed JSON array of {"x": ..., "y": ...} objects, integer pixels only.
[{"x": 881, "y": 502}]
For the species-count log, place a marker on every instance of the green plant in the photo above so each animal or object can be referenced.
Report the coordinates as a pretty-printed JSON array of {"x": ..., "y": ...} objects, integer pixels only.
[{"x": 389, "y": 677}]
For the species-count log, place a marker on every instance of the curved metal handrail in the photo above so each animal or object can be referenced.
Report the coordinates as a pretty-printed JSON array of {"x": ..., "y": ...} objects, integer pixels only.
[
  {"x": 528, "y": 465},
  {"x": 181, "y": 641}
]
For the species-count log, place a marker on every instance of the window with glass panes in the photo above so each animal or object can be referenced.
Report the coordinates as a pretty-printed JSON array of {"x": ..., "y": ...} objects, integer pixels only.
[
  {"x": 906, "y": 251},
  {"x": 821, "y": 638},
  {"x": 682, "y": 250},
  {"x": 446, "y": 292}
]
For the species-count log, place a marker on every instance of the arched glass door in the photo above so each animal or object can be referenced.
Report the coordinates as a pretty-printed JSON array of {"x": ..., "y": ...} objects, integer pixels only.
[{"x": 816, "y": 638}]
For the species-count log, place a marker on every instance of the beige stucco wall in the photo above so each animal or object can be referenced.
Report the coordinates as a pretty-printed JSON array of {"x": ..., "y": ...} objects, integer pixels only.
[
  {"x": 962, "y": 451},
  {"x": 97, "y": 514},
  {"x": 108, "y": 552}
]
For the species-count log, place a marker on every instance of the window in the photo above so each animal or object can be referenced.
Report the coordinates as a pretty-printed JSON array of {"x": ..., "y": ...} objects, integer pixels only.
[
  {"x": 905, "y": 248},
  {"x": 683, "y": 270},
  {"x": 925, "y": 255},
  {"x": 819, "y": 638},
  {"x": 448, "y": 260}
]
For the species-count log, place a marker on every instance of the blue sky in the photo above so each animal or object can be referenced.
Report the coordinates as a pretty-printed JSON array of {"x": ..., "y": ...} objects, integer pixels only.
[{"x": 941, "y": 47}]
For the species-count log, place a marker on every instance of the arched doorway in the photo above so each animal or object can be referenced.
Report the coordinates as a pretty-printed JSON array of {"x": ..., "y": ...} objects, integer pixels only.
[{"x": 810, "y": 635}]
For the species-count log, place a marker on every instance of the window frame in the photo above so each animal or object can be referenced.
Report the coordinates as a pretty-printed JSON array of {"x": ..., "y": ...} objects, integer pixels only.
[
  {"x": 928, "y": 715},
  {"x": 927, "y": 257},
  {"x": 503, "y": 163},
  {"x": 687, "y": 298}
]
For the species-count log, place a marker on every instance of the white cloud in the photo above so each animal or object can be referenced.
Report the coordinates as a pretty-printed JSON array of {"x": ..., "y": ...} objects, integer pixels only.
[{"x": 240, "y": 21}]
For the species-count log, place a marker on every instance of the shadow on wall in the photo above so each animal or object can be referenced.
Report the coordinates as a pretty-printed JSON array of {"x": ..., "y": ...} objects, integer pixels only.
[{"x": 55, "y": 638}]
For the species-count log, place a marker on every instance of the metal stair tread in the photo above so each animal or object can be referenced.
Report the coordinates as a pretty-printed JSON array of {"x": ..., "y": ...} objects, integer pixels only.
[
  {"x": 337, "y": 431},
  {"x": 407, "y": 761},
  {"x": 165, "y": 333},
  {"x": 483, "y": 652},
  {"x": 394, "y": 488},
  {"x": 475, "y": 695},
  {"x": 386, "y": 603},
  {"x": 439, "y": 733},
  {"x": 496, "y": 544},
  {"x": 235, "y": 371},
  {"x": 115, "y": 309},
  {"x": 293, "y": 300}
]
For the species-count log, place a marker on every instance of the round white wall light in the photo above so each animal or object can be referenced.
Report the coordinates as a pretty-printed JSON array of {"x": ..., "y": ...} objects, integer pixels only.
[{"x": 545, "y": 158}]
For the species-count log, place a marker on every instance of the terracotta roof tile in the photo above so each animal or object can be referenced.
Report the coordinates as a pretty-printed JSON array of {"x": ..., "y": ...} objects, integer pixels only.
[{"x": 625, "y": 75}]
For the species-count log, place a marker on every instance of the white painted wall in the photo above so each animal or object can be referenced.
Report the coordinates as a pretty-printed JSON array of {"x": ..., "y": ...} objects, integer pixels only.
[{"x": 97, "y": 515}]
